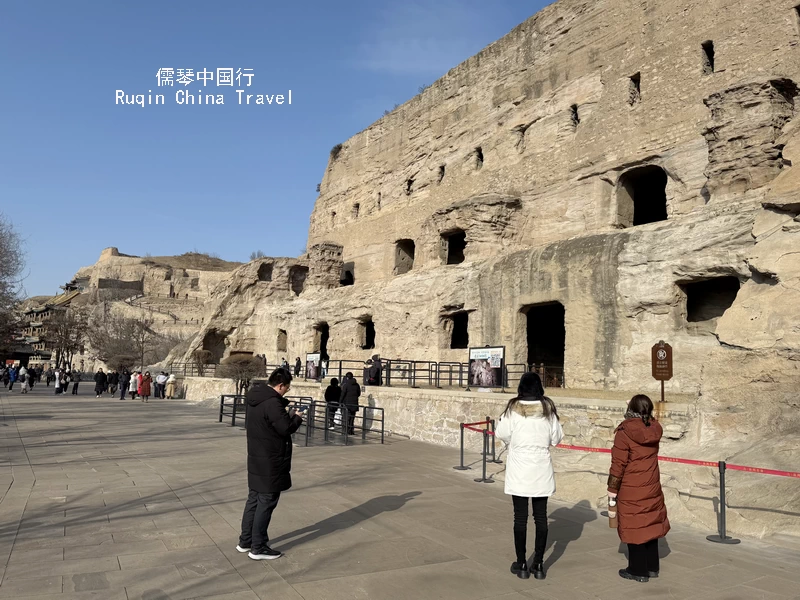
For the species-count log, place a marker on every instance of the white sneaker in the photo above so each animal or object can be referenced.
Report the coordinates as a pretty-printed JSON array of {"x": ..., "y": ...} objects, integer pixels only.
[{"x": 242, "y": 550}]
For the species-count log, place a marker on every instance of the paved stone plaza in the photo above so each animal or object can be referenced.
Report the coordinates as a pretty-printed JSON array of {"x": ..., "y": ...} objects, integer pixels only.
[{"x": 124, "y": 500}]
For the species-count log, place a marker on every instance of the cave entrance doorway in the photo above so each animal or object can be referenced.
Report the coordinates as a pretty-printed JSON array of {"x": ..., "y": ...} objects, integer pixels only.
[
  {"x": 642, "y": 196},
  {"x": 546, "y": 340},
  {"x": 453, "y": 244},
  {"x": 366, "y": 333},
  {"x": 321, "y": 336}
]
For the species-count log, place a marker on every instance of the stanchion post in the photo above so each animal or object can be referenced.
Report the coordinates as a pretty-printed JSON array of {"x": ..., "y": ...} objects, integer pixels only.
[
  {"x": 233, "y": 414},
  {"x": 307, "y": 428},
  {"x": 461, "y": 466},
  {"x": 327, "y": 420},
  {"x": 221, "y": 407},
  {"x": 722, "y": 537},
  {"x": 364, "y": 423},
  {"x": 495, "y": 460},
  {"x": 485, "y": 479}
]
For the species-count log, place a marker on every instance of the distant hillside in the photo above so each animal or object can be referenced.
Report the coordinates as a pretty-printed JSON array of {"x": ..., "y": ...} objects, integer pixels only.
[{"x": 193, "y": 260}]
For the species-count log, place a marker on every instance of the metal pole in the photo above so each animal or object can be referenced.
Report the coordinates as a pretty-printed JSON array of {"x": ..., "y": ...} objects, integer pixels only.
[
  {"x": 461, "y": 466},
  {"x": 485, "y": 479},
  {"x": 364, "y": 424},
  {"x": 383, "y": 418},
  {"x": 221, "y": 406},
  {"x": 307, "y": 429},
  {"x": 233, "y": 414},
  {"x": 722, "y": 538},
  {"x": 345, "y": 423},
  {"x": 495, "y": 460},
  {"x": 388, "y": 373},
  {"x": 327, "y": 420},
  {"x": 662, "y": 390}
]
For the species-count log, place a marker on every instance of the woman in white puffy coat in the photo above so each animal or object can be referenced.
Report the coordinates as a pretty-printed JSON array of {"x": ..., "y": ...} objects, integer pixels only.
[{"x": 529, "y": 426}]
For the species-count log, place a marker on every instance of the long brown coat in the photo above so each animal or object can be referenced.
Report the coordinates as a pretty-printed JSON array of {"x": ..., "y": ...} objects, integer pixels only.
[
  {"x": 144, "y": 385},
  {"x": 635, "y": 476}
]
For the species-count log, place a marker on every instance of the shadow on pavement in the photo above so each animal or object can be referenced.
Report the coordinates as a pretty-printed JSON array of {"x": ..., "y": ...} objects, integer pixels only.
[
  {"x": 566, "y": 525},
  {"x": 345, "y": 520}
]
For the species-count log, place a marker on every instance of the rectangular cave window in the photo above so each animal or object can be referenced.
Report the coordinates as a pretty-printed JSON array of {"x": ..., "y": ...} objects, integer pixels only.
[
  {"x": 453, "y": 244},
  {"x": 478, "y": 157},
  {"x": 348, "y": 274},
  {"x": 708, "y": 300},
  {"x": 403, "y": 256},
  {"x": 379, "y": 201},
  {"x": 441, "y": 173},
  {"x": 708, "y": 57},
  {"x": 459, "y": 330},
  {"x": 265, "y": 272},
  {"x": 409, "y": 186},
  {"x": 545, "y": 333},
  {"x": 297, "y": 279},
  {"x": 642, "y": 196},
  {"x": 356, "y": 210},
  {"x": 574, "y": 116},
  {"x": 796, "y": 13},
  {"x": 282, "y": 343},
  {"x": 635, "y": 89},
  {"x": 366, "y": 333}
]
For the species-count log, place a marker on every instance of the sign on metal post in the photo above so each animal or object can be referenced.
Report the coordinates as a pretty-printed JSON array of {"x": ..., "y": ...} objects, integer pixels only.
[{"x": 661, "y": 355}]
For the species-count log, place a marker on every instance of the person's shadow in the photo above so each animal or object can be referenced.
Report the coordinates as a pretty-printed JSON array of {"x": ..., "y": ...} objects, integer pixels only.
[
  {"x": 345, "y": 520},
  {"x": 566, "y": 525}
]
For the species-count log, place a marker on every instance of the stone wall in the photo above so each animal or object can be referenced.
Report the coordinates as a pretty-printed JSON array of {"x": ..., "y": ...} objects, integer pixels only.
[{"x": 758, "y": 505}]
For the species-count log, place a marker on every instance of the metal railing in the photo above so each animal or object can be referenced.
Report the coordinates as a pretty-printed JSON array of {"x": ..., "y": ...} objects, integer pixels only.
[
  {"x": 400, "y": 372},
  {"x": 319, "y": 416}
]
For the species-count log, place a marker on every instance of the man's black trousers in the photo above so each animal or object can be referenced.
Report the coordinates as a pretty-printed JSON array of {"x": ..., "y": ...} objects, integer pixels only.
[{"x": 255, "y": 520}]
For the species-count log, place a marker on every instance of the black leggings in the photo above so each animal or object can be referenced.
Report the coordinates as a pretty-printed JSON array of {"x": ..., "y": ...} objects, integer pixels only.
[
  {"x": 521, "y": 527},
  {"x": 643, "y": 558}
]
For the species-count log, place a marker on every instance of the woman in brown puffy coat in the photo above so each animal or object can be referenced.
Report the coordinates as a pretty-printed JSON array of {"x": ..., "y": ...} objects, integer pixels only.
[
  {"x": 635, "y": 481},
  {"x": 144, "y": 386}
]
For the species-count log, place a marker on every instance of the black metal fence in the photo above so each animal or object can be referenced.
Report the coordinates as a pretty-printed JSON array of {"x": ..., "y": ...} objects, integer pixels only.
[
  {"x": 336, "y": 422},
  {"x": 399, "y": 372}
]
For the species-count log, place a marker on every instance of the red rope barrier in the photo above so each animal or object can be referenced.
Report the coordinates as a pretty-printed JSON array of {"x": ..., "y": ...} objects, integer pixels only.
[
  {"x": 478, "y": 430},
  {"x": 477, "y": 423},
  {"x": 764, "y": 471},
  {"x": 688, "y": 461}
]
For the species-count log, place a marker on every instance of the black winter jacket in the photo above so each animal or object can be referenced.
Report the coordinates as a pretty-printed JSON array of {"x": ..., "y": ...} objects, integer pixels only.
[
  {"x": 350, "y": 393},
  {"x": 332, "y": 394},
  {"x": 100, "y": 380},
  {"x": 269, "y": 440}
]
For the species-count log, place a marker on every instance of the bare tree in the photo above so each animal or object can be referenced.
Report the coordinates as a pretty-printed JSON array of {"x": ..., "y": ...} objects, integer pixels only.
[
  {"x": 256, "y": 255},
  {"x": 67, "y": 329},
  {"x": 242, "y": 369},
  {"x": 201, "y": 359},
  {"x": 121, "y": 341},
  {"x": 11, "y": 265}
]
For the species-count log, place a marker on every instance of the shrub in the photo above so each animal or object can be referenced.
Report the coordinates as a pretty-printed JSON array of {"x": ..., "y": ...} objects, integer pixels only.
[{"x": 335, "y": 151}]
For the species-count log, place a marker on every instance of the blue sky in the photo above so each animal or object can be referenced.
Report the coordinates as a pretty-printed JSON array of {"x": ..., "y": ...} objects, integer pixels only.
[{"x": 79, "y": 173}]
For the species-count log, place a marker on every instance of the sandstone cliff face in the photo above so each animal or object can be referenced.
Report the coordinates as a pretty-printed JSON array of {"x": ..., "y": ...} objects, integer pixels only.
[{"x": 601, "y": 171}]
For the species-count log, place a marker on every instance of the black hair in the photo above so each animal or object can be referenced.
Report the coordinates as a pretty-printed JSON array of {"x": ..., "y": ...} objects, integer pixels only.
[
  {"x": 280, "y": 377},
  {"x": 334, "y": 382},
  {"x": 642, "y": 405},
  {"x": 348, "y": 375},
  {"x": 530, "y": 388}
]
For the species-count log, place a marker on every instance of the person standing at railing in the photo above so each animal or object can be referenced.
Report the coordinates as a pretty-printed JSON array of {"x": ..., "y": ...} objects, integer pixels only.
[
  {"x": 351, "y": 391},
  {"x": 634, "y": 482},
  {"x": 332, "y": 395},
  {"x": 297, "y": 367},
  {"x": 269, "y": 460},
  {"x": 529, "y": 426}
]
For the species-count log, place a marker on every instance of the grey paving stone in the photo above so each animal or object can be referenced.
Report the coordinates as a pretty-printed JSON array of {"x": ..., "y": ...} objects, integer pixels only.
[{"x": 115, "y": 504}]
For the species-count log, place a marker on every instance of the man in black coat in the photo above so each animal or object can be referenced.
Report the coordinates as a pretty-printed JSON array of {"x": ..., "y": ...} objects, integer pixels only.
[
  {"x": 100, "y": 382},
  {"x": 269, "y": 460},
  {"x": 350, "y": 394},
  {"x": 124, "y": 382}
]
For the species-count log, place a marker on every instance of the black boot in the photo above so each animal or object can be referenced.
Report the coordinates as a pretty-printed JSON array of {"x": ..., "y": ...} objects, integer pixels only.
[
  {"x": 538, "y": 570},
  {"x": 625, "y": 574},
  {"x": 520, "y": 569}
]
